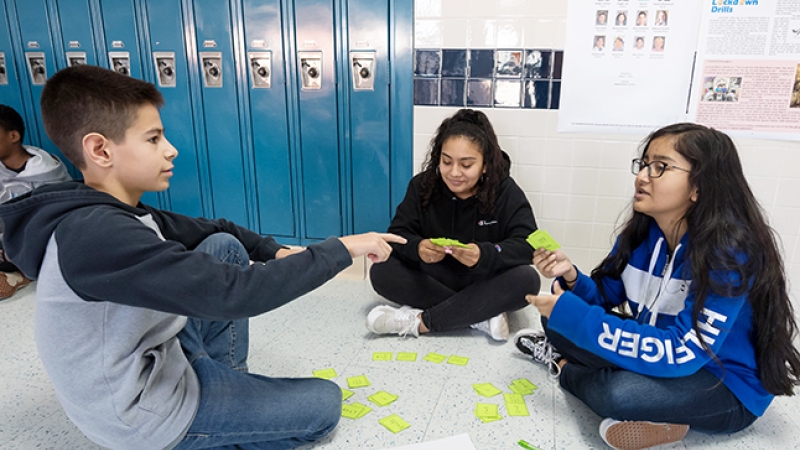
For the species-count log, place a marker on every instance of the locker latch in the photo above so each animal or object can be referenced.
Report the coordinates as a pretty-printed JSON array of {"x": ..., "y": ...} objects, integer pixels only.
[
  {"x": 120, "y": 62},
  {"x": 165, "y": 68},
  {"x": 363, "y": 64},
  {"x": 76, "y": 59},
  {"x": 3, "y": 70},
  {"x": 261, "y": 69},
  {"x": 311, "y": 69},
  {"x": 212, "y": 68},
  {"x": 37, "y": 67}
]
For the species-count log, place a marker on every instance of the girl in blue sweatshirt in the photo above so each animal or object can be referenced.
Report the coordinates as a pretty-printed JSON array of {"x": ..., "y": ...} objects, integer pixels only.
[{"x": 687, "y": 322}]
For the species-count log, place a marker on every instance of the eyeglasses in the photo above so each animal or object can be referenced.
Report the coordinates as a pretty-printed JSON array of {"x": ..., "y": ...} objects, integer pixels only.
[{"x": 654, "y": 168}]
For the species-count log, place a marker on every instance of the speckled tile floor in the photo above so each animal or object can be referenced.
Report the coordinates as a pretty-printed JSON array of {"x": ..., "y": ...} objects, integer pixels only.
[{"x": 325, "y": 329}]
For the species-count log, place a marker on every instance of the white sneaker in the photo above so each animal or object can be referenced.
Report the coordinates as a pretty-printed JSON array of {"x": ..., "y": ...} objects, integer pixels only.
[
  {"x": 634, "y": 435},
  {"x": 496, "y": 327},
  {"x": 385, "y": 319}
]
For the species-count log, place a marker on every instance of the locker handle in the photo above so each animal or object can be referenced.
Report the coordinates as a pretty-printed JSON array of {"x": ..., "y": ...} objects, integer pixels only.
[
  {"x": 2, "y": 70},
  {"x": 313, "y": 72},
  {"x": 262, "y": 71},
  {"x": 364, "y": 72}
]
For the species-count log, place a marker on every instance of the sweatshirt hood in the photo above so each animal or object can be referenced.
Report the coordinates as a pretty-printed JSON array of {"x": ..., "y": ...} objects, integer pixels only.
[{"x": 32, "y": 218}]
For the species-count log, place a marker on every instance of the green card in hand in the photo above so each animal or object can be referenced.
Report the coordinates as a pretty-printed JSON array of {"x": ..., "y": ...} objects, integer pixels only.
[
  {"x": 445, "y": 242},
  {"x": 542, "y": 239}
]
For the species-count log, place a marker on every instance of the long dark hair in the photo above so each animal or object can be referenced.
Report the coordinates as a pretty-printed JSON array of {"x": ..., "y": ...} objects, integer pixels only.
[
  {"x": 474, "y": 126},
  {"x": 724, "y": 224}
]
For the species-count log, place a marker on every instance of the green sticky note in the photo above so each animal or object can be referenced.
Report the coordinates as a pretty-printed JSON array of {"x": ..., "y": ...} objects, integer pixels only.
[
  {"x": 542, "y": 239},
  {"x": 445, "y": 242},
  {"x": 515, "y": 405},
  {"x": 357, "y": 382},
  {"x": 355, "y": 410},
  {"x": 325, "y": 374},
  {"x": 382, "y": 356},
  {"x": 435, "y": 358},
  {"x": 406, "y": 356},
  {"x": 346, "y": 393},
  {"x": 394, "y": 423},
  {"x": 486, "y": 389},
  {"x": 457, "y": 360},
  {"x": 382, "y": 398}
]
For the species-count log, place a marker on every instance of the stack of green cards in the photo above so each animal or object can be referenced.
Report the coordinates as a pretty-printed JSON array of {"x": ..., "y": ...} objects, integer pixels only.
[
  {"x": 382, "y": 398},
  {"x": 542, "y": 239},
  {"x": 515, "y": 405},
  {"x": 487, "y": 412},
  {"x": 486, "y": 389},
  {"x": 357, "y": 382},
  {"x": 394, "y": 423},
  {"x": 355, "y": 411},
  {"x": 522, "y": 387},
  {"x": 445, "y": 242}
]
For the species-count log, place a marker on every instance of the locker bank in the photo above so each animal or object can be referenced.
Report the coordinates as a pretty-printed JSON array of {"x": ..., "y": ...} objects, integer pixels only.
[{"x": 292, "y": 118}]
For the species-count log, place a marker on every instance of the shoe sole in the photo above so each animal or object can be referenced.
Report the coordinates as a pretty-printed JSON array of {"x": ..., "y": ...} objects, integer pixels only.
[{"x": 639, "y": 435}]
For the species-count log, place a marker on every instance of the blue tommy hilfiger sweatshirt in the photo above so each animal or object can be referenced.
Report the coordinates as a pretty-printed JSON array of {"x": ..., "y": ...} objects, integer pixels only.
[
  {"x": 115, "y": 285},
  {"x": 660, "y": 341}
]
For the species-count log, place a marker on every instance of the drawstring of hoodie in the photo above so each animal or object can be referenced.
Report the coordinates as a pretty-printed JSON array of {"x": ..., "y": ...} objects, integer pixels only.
[{"x": 653, "y": 290}]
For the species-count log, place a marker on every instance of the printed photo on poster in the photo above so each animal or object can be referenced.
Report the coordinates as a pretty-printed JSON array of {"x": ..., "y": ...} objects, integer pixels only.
[
  {"x": 795, "y": 102},
  {"x": 721, "y": 89}
]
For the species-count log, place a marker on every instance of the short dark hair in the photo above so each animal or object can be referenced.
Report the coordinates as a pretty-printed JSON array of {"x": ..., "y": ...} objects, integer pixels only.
[
  {"x": 87, "y": 99},
  {"x": 10, "y": 120}
]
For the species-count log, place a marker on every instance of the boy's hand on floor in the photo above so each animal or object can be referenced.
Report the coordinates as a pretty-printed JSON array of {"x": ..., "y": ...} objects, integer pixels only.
[{"x": 374, "y": 245}]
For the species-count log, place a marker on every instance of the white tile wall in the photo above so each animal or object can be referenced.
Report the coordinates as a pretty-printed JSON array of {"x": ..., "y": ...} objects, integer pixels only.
[{"x": 579, "y": 184}]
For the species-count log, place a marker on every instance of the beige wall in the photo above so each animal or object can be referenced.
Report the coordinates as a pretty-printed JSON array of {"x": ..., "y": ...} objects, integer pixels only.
[{"x": 579, "y": 184}]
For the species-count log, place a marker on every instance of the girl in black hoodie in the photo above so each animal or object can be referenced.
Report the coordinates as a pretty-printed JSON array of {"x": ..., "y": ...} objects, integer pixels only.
[{"x": 464, "y": 193}]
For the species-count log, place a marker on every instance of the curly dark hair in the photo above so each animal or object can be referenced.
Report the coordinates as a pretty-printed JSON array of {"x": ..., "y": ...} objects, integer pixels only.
[
  {"x": 474, "y": 126},
  {"x": 725, "y": 223}
]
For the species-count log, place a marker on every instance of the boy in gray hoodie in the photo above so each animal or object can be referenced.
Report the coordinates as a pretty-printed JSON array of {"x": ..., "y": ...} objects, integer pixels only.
[{"x": 22, "y": 168}]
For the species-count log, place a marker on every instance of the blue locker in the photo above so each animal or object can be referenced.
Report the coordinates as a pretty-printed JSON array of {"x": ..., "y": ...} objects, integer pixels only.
[
  {"x": 315, "y": 65},
  {"x": 268, "y": 125},
  {"x": 368, "y": 81},
  {"x": 215, "y": 60},
  {"x": 74, "y": 33},
  {"x": 121, "y": 37},
  {"x": 10, "y": 76},
  {"x": 401, "y": 43},
  {"x": 169, "y": 71},
  {"x": 34, "y": 58}
]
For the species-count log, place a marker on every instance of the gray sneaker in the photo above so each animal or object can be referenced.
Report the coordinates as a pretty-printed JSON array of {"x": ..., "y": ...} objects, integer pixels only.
[
  {"x": 535, "y": 344},
  {"x": 385, "y": 319}
]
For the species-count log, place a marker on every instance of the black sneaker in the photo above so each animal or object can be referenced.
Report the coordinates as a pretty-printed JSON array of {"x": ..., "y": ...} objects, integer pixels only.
[{"x": 535, "y": 344}]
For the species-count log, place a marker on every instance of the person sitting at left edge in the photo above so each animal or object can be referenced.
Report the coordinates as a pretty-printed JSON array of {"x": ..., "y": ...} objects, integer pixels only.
[{"x": 22, "y": 168}]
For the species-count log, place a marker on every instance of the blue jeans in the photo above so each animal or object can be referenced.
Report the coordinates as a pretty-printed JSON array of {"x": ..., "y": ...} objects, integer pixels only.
[
  {"x": 243, "y": 410},
  {"x": 699, "y": 400}
]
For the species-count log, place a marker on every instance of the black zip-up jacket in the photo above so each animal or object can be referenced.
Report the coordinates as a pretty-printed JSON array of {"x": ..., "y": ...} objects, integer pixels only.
[{"x": 500, "y": 235}]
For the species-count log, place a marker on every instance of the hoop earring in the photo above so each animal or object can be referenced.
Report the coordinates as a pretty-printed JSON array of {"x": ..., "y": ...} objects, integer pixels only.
[
  {"x": 484, "y": 178},
  {"x": 437, "y": 170}
]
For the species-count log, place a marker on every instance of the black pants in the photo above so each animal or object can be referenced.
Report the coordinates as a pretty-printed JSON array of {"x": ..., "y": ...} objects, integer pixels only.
[{"x": 448, "y": 300}]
